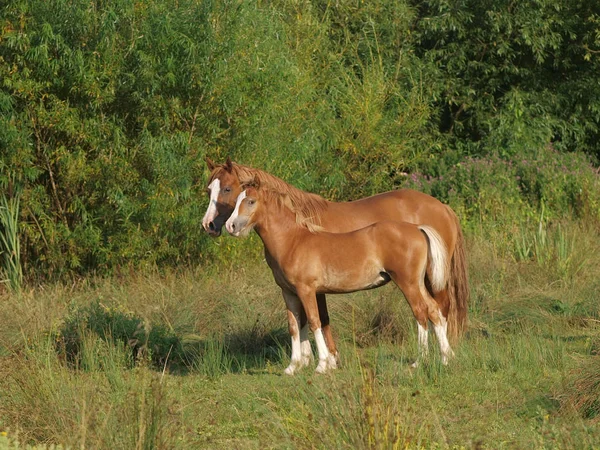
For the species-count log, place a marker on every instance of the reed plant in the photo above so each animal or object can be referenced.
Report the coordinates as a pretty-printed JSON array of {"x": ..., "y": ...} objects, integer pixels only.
[{"x": 10, "y": 249}]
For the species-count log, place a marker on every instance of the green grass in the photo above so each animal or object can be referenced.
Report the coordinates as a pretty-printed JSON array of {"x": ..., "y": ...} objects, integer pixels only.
[{"x": 525, "y": 375}]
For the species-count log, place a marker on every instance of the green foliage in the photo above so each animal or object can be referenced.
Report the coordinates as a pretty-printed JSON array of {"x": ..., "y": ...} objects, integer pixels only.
[
  {"x": 10, "y": 249},
  {"x": 514, "y": 71},
  {"x": 506, "y": 190},
  {"x": 108, "y": 109}
]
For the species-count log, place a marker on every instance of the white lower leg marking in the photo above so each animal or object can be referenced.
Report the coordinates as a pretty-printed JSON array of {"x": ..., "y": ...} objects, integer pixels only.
[
  {"x": 307, "y": 355},
  {"x": 423, "y": 349},
  {"x": 296, "y": 361},
  {"x": 440, "y": 332},
  {"x": 211, "y": 211},
  {"x": 293, "y": 305},
  {"x": 326, "y": 360}
]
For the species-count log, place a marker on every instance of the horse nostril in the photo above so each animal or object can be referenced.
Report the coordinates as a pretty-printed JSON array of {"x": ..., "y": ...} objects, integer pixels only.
[
  {"x": 211, "y": 226},
  {"x": 233, "y": 227}
]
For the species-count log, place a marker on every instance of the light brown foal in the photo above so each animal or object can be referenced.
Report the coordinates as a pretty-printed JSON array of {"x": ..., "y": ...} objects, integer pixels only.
[{"x": 323, "y": 262}]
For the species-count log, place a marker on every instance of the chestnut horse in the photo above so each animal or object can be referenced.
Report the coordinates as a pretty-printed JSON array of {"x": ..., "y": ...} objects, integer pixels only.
[
  {"x": 403, "y": 205},
  {"x": 314, "y": 262}
]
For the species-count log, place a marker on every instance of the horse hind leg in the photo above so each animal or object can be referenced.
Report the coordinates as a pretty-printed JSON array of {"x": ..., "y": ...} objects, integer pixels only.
[
  {"x": 425, "y": 310},
  {"x": 440, "y": 325},
  {"x": 441, "y": 331},
  {"x": 419, "y": 307},
  {"x": 423, "y": 346}
]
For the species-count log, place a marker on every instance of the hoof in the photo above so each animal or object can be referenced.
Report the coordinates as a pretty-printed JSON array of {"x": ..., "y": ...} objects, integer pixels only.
[
  {"x": 305, "y": 361},
  {"x": 295, "y": 365},
  {"x": 325, "y": 365},
  {"x": 332, "y": 362},
  {"x": 322, "y": 367},
  {"x": 447, "y": 357}
]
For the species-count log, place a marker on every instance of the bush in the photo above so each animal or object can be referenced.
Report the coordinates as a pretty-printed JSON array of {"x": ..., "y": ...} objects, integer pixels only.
[{"x": 510, "y": 189}]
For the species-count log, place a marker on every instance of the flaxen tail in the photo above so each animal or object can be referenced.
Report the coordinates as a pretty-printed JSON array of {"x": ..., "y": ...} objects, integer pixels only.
[
  {"x": 458, "y": 286},
  {"x": 438, "y": 267}
]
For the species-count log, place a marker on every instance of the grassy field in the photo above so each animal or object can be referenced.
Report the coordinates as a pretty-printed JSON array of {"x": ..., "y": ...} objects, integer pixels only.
[{"x": 195, "y": 360}]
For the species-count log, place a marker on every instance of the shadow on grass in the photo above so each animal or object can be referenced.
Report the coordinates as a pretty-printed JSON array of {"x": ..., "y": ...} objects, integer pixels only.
[
  {"x": 245, "y": 351},
  {"x": 91, "y": 336}
]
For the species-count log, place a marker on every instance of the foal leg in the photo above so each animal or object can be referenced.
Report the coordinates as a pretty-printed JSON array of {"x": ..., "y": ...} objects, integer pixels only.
[
  {"x": 324, "y": 316},
  {"x": 307, "y": 354},
  {"x": 294, "y": 312},
  {"x": 308, "y": 299},
  {"x": 443, "y": 301},
  {"x": 440, "y": 325},
  {"x": 422, "y": 345},
  {"x": 435, "y": 314},
  {"x": 420, "y": 308}
]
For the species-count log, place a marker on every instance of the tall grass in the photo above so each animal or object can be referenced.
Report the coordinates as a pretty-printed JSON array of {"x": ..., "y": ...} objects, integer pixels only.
[
  {"x": 10, "y": 249},
  {"x": 511, "y": 384},
  {"x": 552, "y": 247}
]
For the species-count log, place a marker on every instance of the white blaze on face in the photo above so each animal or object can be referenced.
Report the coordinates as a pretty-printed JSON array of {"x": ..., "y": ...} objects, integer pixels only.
[
  {"x": 235, "y": 213},
  {"x": 211, "y": 211}
]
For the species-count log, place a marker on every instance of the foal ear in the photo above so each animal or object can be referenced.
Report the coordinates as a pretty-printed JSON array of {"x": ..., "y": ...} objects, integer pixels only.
[
  {"x": 253, "y": 183},
  {"x": 228, "y": 165},
  {"x": 256, "y": 182},
  {"x": 209, "y": 162}
]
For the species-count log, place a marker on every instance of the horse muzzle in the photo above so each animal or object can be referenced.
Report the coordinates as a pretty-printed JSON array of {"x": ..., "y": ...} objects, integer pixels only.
[{"x": 212, "y": 230}]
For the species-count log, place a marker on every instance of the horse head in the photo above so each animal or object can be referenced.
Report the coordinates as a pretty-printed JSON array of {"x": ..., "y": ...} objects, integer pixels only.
[{"x": 223, "y": 188}]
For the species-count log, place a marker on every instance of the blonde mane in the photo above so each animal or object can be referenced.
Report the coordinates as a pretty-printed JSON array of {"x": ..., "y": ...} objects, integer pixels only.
[{"x": 306, "y": 206}]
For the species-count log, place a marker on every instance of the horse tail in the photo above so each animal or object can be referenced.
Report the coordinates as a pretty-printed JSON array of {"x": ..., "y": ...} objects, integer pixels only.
[
  {"x": 458, "y": 285},
  {"x": 438, "y": 267}
]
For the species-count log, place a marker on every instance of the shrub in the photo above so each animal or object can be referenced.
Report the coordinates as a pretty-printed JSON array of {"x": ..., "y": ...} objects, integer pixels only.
[{"x": 513, "y": 188}]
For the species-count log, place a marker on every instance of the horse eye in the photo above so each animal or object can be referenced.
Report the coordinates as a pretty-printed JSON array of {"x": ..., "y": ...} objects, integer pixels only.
[
  {"x": 227, "y": 190},
  {"x": 251, "y": 202}
]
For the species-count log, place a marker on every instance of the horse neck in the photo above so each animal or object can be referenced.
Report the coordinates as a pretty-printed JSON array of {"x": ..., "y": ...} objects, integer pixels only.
[{"x": 277, "y": 228}]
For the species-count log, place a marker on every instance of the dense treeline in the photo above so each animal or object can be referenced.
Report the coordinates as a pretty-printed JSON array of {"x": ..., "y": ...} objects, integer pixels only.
[{"x": 108, "y": 109}]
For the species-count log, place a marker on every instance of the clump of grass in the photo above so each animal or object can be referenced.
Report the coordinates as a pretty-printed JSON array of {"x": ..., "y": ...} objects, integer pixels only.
[
  {"x": 553, "y": 248},
  {"x": 211, "y": 358},
  {"x": 116, "y": 327},
  {"x": 50, "y": 403},
  {"x": 583, "y": 391}
]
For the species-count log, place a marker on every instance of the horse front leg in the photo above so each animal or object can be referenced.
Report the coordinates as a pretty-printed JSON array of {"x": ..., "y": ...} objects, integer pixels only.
[
  {"x": 308, "y": 298},
  {"x": 295, "y": 312},
  {"x": 327, "y": 334}
]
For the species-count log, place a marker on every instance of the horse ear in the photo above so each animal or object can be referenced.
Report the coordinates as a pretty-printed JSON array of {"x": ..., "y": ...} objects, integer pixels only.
[
  {"x": 256, "y": 182},
  {"x": 209, "y": 162},
  {"x": 228, "y": 165}
]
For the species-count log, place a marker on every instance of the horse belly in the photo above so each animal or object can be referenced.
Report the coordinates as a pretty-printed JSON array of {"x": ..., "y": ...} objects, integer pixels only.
[{"x": 343, "y": 281}]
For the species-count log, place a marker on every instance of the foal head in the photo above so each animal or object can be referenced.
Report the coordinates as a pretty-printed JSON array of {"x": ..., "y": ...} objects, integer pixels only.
[
  {"x": 223, "y": 189},
  {"x": 242, "y": 220}
]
